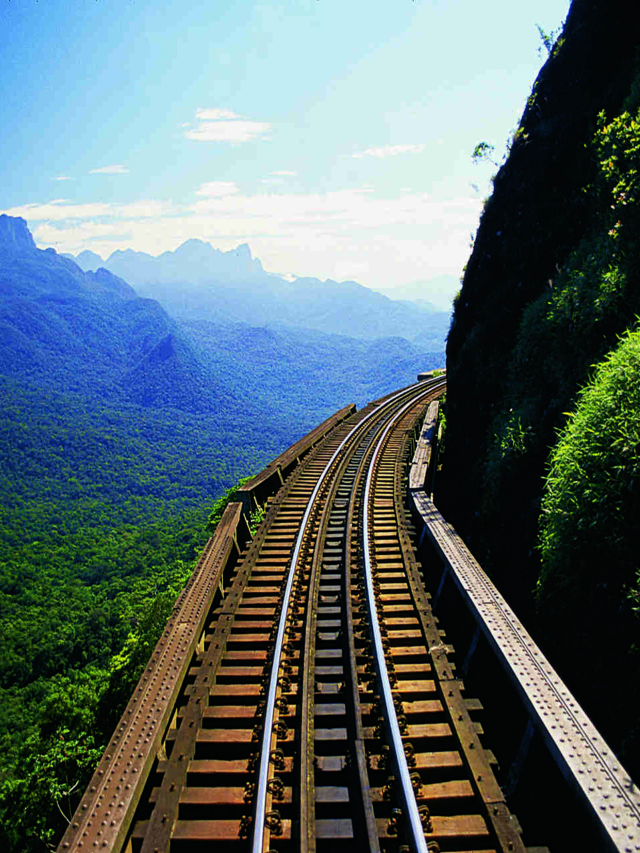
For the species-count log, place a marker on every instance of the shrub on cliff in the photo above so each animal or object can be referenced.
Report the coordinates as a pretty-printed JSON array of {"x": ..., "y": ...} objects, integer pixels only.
[{"x": 591, "y": 505}]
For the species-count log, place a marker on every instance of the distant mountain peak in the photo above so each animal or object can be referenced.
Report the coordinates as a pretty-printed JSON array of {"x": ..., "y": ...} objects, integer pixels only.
[
  {"x": 193, "y": 248},
  {"x": 111, "y": 283},
  {"x": 194, "y": 241},
  {"x": 194, "y": 261},
  {"x": 88, "y": 260},
  {"x": 125, "y": 253},
  {"x": 15, "y": 234}
]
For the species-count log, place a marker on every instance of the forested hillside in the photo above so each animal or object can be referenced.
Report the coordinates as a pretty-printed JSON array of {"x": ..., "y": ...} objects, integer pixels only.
[
  {"x": 543, "y": 370},
  {"x": 120, "y": 429}
]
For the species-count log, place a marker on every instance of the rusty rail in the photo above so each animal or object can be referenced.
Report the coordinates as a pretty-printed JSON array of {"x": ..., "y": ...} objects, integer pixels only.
[{"x": 303, "y": 696}]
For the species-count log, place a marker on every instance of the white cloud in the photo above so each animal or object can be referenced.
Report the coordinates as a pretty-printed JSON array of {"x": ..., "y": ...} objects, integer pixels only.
[
  {"x": 143, "y": 209},
  {"x": 278, "y": 177},
  {"x": 83, "y": 234},
  {"x": 215, "y": 114},
  {"x": 61, "y": 210},
  {"x": 217, "y": 188},
  {"x": 352, "y": 233},
  {"x": 389, "y": 151},
  {"x": 58, "y": 210},
  {"x": 62, "y": 178},
  {"x": 116, "y": 169},
  {"x": 218, "y": 125}
]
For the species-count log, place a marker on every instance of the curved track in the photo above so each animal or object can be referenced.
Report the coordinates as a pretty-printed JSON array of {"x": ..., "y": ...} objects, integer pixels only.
[{"x": 320, "y": 709}]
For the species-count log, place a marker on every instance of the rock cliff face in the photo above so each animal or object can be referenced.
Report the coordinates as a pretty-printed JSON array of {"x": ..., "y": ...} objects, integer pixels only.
[
  {"x": 536, "y": 215},
  {"x": 14, "y": 234},
  {"x": 552, "y": 283}
]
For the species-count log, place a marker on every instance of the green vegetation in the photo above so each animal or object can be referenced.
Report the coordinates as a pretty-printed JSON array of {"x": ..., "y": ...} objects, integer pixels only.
[
  {"x": 576, "y": 319},
  {"x": 103, "y": 512},
  {"x": 589, "y": 538},
  {"x": 591, "y": 505},
  {"x": 549, "y": 42},
  {"x": 484, "y": 152},
  {"x": 583, "y": 513},
  {"x": 71, "y": 651}
]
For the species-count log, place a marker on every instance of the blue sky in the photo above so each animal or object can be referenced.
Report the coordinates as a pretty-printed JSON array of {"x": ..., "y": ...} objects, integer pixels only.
[{"x": 334, "y": 136}]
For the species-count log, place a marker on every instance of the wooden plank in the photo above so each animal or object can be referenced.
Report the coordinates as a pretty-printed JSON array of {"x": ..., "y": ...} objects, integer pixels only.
[
  {"x": 214, "y": 766},
  {"x": 235, "y": 736},
  {"x": 424, "y": 730},
  {"x": 202, "y": 796},
  {"x": 453, "y": 789},
  {"x": 207, "y": 830},
  {"x": 336, "y": 829},
  {"x": 430, "y": 760},
  {"x": 110, "y": 801},
  {"x": 444, "y": 826},
  {"x": 420, "y": 465}
]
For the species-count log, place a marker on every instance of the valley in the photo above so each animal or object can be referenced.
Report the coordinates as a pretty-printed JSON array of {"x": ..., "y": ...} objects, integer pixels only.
[{"x": 122, "y": 424}]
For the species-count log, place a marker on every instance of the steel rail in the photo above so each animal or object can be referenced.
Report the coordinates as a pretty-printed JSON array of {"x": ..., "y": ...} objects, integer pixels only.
[
  {"x": 307, "y": 724},
  {"x": 265, "y": 752},
  {"x": 359, "y": 746},
  {"x": 417, "y": 839}
]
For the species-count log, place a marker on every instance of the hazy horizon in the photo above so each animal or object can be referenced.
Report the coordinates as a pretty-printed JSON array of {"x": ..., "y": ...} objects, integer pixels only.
[{"x": 336, "y": 140}]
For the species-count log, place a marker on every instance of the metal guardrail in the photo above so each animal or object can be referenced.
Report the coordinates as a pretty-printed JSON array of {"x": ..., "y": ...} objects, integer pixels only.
[
  {"x": 105, "y": 811},
  {"x": 606, "y": 790}
]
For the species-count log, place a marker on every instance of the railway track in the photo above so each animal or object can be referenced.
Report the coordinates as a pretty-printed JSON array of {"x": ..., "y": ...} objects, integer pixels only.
[{"x": 304, "y": 696}]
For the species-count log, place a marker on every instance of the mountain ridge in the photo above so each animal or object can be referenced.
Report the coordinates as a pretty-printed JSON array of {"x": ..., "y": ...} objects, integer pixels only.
[
  {"x": 197, "y": 281},
  {"x": 92, "y": 332}
]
